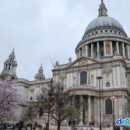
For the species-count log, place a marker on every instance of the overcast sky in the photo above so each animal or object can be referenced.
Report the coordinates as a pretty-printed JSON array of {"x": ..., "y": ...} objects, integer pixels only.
[{"x": 43, "y": 31}]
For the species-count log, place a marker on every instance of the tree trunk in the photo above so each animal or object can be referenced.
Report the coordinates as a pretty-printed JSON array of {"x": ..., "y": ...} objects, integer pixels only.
[{"x": 58, "y": 124}]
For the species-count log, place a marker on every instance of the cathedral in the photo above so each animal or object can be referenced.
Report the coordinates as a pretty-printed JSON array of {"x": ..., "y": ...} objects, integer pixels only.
[{"x": 98, "y": 79}]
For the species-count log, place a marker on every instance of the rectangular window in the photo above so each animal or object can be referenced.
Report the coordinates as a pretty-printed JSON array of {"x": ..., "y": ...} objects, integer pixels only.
[{"x": 83, "y": 78}]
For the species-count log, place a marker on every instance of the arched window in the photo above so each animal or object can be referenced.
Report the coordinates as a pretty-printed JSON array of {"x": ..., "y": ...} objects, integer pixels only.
[
  {"x": 9, "y": 66},
  {"x": 83, "y": 78},
  {"x": 108, "y": 106}
]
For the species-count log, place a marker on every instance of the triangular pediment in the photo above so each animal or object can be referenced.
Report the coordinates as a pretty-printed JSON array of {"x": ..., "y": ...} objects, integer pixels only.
[{"x": 82, "y": 61}]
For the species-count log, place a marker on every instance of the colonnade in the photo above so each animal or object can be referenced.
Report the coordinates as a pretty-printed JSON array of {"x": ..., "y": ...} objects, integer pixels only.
[
  {"x": 88, "y": 107},
  {"x": 104, "y": 48}
]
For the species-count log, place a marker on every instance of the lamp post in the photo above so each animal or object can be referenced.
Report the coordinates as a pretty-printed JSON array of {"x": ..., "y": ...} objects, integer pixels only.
[
  {"x": 100, "y": 126},
  {"x": 113, "y": 111}
]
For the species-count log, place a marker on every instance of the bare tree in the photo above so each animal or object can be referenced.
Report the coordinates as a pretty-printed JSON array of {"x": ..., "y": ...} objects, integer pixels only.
[
  {"x": 30, "y": 113},
  {"x": 56, "y": 103}
]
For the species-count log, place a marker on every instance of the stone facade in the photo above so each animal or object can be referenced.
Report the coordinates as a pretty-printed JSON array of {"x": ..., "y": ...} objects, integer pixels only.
[{"x": 100, "y": 72}]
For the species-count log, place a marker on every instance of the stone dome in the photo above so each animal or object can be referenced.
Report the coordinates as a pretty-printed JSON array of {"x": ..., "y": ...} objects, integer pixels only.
[
  {"x": 102, "y": 27},
  {"x": 104, "y": 21}
]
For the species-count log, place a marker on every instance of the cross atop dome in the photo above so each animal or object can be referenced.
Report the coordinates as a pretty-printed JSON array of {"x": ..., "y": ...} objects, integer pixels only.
[{"x": 102, "y": 9}]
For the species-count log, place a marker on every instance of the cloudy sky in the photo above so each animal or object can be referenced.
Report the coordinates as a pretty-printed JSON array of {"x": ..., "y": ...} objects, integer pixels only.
[{"x": 44, "y": 31}]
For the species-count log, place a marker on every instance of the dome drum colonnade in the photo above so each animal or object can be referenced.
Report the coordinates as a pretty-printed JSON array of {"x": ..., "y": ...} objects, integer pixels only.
[
  {"x": 104, "y": 48},
  {"x": 104, "y": 36}
]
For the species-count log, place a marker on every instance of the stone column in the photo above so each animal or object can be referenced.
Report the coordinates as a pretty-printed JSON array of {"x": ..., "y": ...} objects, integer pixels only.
[
  {"x": 111, "y": 48},
  {"x": 123, "y": 50},
  {"x": 117, "y": 48},
  {"x": 96, "y": 111},
  {"x": 89, "y": 109},
  {"x": 81, "y": 110},
  {"x": 98, "y": 116},
  {"x": 98, "y": 51},
  {"x": 91, "y": 50},
  {"x": 87, "y": 50},
  {"x": 128, "y": 51},
  {"x": 104, "y": 44}
]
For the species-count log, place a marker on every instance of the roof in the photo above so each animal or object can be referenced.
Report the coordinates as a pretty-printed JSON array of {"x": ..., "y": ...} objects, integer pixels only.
[{"x": 104, "y": 21}]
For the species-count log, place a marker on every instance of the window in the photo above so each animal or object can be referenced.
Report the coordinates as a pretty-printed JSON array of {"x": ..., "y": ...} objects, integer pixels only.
[
  {"x": 80, "y": 51},
  {"x": 89, "y": 50},
  {"x": 12, "y": 78},
  {"x": 30, "y": 98},
  {"x": 74, "y": 81},
  {"x": 108, "y": 106},
  {"x": 107, "y": 84},
  {"x": 6, "y": 66},
  {"x": 92, "y": 79},
  {"x": 9, "y": 66},
  {"x": 83, "y": 78},
  {"x": 84, "y": 50}
]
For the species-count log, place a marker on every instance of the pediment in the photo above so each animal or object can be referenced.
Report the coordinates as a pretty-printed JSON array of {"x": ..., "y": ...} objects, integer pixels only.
[{"x": 83, "y": 61}]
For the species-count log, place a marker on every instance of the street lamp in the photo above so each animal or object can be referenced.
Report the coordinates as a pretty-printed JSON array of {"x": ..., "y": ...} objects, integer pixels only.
[
  {"x": 99, "y": 78},
  {"x": 113, "y": 111}
]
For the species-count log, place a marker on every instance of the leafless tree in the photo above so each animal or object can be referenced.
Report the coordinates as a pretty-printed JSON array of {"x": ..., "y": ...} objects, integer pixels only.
[{"x": 55, "y": 102}]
